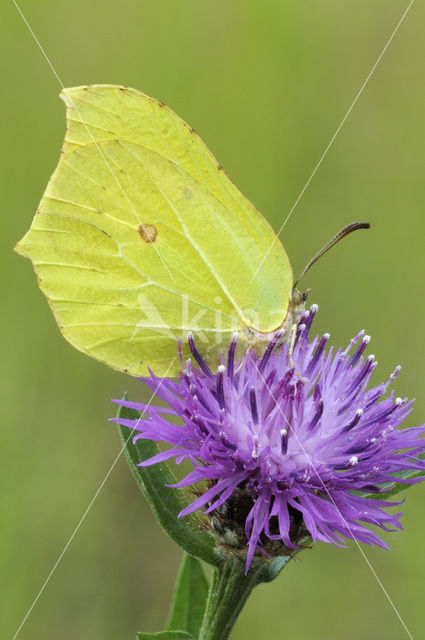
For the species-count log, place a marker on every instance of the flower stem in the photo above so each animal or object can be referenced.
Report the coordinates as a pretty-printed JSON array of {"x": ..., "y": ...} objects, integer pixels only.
[{"x": 228, "y": 592}]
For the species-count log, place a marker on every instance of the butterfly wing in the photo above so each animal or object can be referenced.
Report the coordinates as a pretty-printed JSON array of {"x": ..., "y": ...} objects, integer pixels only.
[{"x": 141, "y": 237}]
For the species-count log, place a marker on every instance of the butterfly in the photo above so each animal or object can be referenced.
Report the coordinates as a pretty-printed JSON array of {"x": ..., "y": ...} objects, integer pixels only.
[{"x": 141, "y": 238}]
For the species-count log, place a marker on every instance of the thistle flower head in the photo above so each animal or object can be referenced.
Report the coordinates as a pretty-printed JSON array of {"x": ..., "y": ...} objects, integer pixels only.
[{"x": 284, "y": 451}]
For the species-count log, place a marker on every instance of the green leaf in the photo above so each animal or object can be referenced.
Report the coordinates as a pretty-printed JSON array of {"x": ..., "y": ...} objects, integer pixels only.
[
  {"x": 166, "y": 502},
  {"x": 165, "y": 635},
  {"x": 394, "y": 487},
  {"x": 190, "y": 596}
]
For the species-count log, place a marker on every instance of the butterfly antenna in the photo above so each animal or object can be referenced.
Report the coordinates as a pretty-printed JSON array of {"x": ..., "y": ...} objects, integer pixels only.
[{"x": 345, "y": 231}]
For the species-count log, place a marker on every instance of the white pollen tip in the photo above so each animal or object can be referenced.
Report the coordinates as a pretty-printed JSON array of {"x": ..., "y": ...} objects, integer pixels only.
[
  {"x": 326, "y": 336},
  {"x": 398, "y": 400},
  {"x": 221, "y": 368},
  {"x": 283, "y": 432},
  {"x": 359, "y": 412},
  {"x": 314, "y": 308},
  {"x": 354, "y": 460},
  {"x": 371, "y": 357},
  {"x": 366, "y": 339},
  {"x": 235, "y": 334},
  {"x": 394, "y": 373}
]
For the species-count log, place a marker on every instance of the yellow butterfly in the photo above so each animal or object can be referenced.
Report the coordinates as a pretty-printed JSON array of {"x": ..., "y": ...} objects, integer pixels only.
[{"x": 141, "y": 237}]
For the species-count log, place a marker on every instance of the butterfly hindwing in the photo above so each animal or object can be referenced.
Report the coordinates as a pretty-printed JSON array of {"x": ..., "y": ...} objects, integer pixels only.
[{"x": 141, "y": 237}]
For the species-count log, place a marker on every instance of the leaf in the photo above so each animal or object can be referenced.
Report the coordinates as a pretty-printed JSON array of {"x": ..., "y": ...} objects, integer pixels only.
[
  {"x": 394, "y": 487},
  {"x": 166, "y": 502},
  {"x": 165, "y": 635},
  {"x": 190, "y": 596}
]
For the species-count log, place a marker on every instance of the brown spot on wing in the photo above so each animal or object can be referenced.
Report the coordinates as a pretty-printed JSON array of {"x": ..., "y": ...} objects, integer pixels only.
[{"x": 148, "y": 232}]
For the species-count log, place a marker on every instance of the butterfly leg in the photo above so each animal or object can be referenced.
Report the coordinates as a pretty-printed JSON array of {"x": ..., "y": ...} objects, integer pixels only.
[{"x": 292, "y": 337}]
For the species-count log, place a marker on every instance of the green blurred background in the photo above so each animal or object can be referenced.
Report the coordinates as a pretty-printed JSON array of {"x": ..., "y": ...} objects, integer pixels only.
[{"x": 266, "y": 84}]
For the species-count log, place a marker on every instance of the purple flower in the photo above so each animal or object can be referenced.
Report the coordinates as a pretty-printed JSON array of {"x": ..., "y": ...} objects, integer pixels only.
[{"x": 282, "y": 452}]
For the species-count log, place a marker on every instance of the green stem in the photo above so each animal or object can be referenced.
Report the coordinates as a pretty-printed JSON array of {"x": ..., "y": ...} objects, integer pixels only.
[{"x": 228, "y": 592}]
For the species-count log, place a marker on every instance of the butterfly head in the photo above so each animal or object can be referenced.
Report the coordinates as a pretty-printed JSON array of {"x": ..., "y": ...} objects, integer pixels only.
[
  {"x": 298, "y": 298},
  {"x": 298, "y": 301}
]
